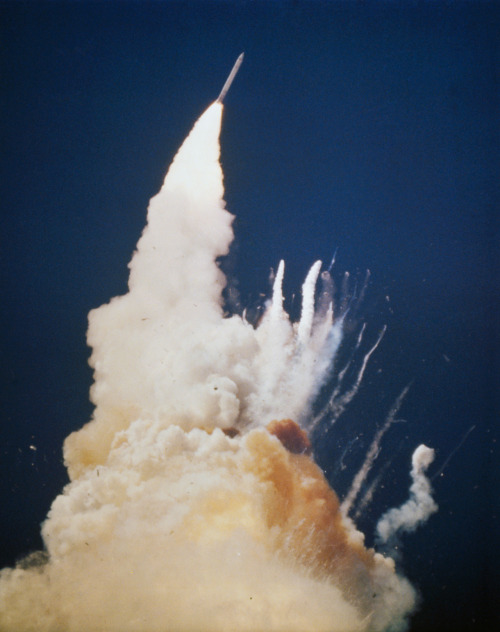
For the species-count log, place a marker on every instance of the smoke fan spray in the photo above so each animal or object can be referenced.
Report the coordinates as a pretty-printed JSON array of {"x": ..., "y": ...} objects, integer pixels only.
[{"x": 187, "y": 508}]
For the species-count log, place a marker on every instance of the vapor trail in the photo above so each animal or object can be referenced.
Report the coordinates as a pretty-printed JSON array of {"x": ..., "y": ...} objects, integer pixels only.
[
  {"x": 340, "y": 399},
  {"x": 453, "y": 452},
  {"x": 372, "y": 453}
]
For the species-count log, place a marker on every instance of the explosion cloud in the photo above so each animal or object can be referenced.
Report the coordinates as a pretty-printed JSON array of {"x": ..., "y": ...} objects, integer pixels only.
[{"x": 194, "y": 502}]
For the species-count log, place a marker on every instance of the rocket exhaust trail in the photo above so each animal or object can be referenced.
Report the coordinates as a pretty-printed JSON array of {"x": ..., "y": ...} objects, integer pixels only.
[{"x": 230, "y": 79}]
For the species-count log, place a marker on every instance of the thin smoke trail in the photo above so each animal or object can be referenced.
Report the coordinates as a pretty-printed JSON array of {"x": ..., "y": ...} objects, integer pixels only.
[
  {"x": 452, "y": 453},
  {"x": 372, "y": 454},
  {"x": 339, "y": 400}
]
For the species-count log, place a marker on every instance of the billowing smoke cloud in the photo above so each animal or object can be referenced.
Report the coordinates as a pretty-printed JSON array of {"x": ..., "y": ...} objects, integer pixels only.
[{"x": 187, "y": 508}]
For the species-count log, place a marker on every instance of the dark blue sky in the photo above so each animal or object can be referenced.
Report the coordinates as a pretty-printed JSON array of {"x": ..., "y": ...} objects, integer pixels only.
[{"x": 367, "y": 127}]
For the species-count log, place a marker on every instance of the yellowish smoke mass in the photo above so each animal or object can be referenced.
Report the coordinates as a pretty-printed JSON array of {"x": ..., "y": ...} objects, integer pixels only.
[
  {"x": 194, "y": 502},
  {"x": 198, "y": 531}
]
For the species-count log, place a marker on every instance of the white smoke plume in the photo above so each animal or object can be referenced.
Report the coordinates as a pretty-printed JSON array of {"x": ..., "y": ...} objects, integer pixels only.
[
  {"x": 188, "y": 510},
  {"x": 418, "y": 508}
]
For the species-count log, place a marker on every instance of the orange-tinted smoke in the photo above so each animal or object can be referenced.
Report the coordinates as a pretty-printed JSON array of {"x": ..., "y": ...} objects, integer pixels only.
[{"x": 305, "y": 511}]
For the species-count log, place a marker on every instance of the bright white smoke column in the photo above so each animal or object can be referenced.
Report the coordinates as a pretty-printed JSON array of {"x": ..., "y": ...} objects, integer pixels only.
[{"x": 184, "y": 513}]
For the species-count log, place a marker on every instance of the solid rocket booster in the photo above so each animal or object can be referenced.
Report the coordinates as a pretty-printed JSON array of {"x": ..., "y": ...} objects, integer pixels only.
[{"x": 230, "y": 79}]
